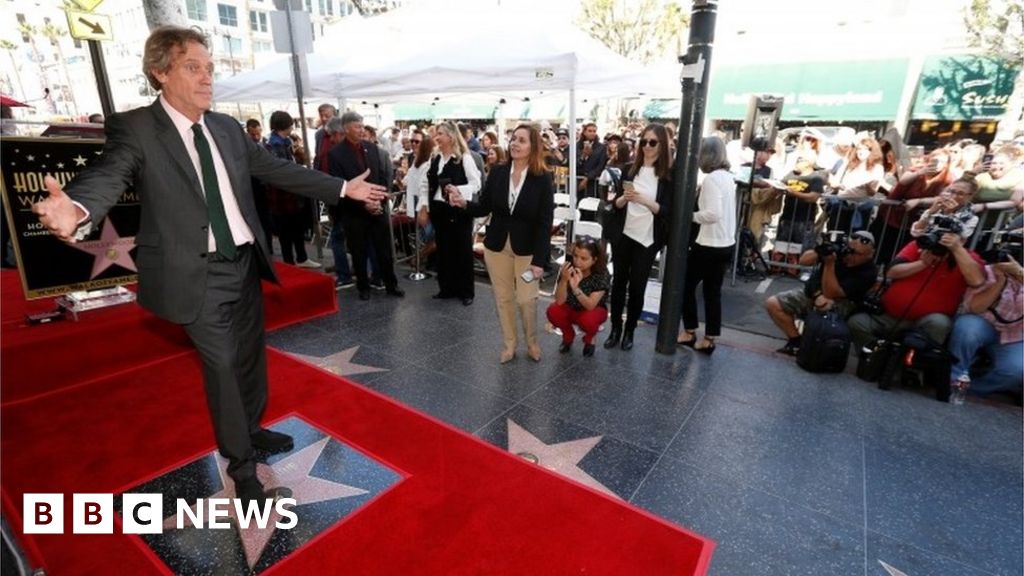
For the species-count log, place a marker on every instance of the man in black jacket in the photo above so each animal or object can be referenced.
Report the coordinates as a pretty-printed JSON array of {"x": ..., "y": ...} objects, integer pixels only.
[
  {"x": 366, "y": 224},
  {"x": 591, "y": 157}
]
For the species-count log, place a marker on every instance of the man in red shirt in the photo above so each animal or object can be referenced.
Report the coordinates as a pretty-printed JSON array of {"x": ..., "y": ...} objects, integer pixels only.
[{"x": 925, "y": 292}]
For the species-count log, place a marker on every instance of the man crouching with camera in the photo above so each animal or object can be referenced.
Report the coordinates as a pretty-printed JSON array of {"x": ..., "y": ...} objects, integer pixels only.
[
  {"x": 928, "y": 279},
  {"x": 843, "y": 274}
]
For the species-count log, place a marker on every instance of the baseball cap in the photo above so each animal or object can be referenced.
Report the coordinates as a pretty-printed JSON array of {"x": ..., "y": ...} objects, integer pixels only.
[
  {"x": 865, "y": 236},
  {"x": 561, "y": 132}
]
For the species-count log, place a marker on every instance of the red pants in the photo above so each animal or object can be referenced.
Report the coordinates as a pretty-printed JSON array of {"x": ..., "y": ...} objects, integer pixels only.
[{"x": 563, "y": 317}]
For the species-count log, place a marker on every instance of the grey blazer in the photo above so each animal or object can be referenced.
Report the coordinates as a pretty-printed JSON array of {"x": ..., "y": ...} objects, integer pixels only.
[{"x": 144, "y": 150}]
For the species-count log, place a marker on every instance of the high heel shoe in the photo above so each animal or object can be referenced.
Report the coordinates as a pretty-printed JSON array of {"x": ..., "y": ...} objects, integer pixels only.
[
  {"x": 627, "y": 340},
  {"x": 533, "y": 352},
  {"x": 613, "y": 338},
  {"x": 688, "y": 343},
  {"x": 706, "y": 350},
  {"x": 507, "y": 356}
]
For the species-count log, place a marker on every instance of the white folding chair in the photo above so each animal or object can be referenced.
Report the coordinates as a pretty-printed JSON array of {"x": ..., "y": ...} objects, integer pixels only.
[
  {"x": 592, "y": 229},
  {"x": 562, "y": 199}
]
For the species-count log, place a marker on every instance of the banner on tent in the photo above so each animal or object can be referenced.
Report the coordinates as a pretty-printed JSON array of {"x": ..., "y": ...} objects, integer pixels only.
[{"x": 49, "y": 267}]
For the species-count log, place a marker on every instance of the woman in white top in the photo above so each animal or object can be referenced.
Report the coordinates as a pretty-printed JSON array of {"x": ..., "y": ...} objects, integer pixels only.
[
  {"x": 452, "y": 170},
  {"x": 639, "y": 230},
  {"x": 863, "y": 172},
  {"x": 712, "y": 250}
]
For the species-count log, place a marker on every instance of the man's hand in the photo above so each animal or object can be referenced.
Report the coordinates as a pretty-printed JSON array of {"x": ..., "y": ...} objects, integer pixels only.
[
  {"x": 830, "y": 259},
  {"x": 583, "y": 183},
  {"x": 359, "y": 189},
  {"x": 58, "y": 213},
  {"x": 952, "y": 241},
  {"x": 823, "y": 303}
]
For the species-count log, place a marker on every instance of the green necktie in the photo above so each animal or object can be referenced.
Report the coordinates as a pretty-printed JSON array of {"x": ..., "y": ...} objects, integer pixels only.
[{"x": 214, "y": 203}]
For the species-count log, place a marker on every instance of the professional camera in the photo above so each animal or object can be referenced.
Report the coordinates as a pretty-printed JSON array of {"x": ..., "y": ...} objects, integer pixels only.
[
  {"x": 833, "y": 242},
  {"x": 1005, "y": 246},
  {"x": 940, "y": 224}
]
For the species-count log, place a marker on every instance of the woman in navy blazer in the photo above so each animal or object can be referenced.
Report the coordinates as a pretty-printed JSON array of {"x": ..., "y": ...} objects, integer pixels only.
[{"x": 520, "y": 198}]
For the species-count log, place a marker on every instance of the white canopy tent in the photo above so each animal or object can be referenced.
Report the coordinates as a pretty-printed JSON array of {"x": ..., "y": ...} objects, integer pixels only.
[{"x": 408, "y": 53}]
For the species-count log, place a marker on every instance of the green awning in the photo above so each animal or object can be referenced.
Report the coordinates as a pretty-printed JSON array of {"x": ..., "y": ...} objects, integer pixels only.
[
  {"x": 964, "y": 87},
  {"x": 544, "y": 110},
  {"x": 442, "y": 111},
  {"x": 867, "y": 90},
  {"x": 660, "y": 109}
]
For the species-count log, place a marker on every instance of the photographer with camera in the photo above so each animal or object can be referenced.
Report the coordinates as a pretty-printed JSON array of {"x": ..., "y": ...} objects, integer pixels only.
[
  {"x": 843, "y": 275},
  {"x": 951, "y": 212},
  {"x": 925, "y": 291},
  {"x": 992, "y": 320}
]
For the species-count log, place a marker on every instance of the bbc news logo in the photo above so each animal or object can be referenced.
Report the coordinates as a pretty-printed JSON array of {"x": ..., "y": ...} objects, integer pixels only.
[{"x": 144, "y": 513}]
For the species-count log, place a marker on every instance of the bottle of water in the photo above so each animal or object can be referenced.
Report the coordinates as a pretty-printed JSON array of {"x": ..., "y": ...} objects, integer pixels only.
[{"x": 958, "y": 390}]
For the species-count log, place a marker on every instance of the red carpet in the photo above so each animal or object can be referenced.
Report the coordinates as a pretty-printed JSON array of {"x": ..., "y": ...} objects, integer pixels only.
[
  {"x": 41, "y": 359},
  {"x": 466, "y": 507}
]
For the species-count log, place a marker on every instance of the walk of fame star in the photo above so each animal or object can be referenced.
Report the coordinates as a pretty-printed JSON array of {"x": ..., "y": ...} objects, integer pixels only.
[
  {"x": 341, "y": 363},
  {"x": 291, "y": 473},
  {"x": 329, "y": 480},
  {"x": 563, "y": 457},
  {"x": 110, "y": 249}
]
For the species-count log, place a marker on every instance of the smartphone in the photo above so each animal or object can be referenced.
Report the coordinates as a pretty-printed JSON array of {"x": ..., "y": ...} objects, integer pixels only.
[
  {"x": 528, "y": 276},
  {"x": 443, "y": 183},
  {"x": 986, "y": 159},
  {"x": 627, "y": 186}
]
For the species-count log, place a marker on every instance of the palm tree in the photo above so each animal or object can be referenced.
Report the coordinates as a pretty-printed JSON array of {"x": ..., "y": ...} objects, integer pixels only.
[
  {"x": 54, "y": 34},
  {"x": 163, "y": 13},
  {"x": 10, "y": 47}
]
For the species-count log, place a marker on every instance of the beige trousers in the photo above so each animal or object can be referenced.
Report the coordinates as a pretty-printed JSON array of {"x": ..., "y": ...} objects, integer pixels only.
[{"x": 510, "y": 291}]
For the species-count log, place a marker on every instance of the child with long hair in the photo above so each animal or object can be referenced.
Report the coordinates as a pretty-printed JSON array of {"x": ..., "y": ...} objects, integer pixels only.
[{"x": 582, "y": 294}]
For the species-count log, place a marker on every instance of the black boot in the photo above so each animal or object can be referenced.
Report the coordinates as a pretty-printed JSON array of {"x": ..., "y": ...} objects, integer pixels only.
[
  {"x": 613, "y": 337},
  {"x": 627, "y": 340}
]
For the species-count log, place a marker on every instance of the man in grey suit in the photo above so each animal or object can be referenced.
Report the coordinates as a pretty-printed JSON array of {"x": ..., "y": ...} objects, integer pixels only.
[{"x": 201, "y": 248}]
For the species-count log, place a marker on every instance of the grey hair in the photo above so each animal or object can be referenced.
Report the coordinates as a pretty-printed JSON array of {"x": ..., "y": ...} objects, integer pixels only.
[
  {"x": 712, "y": 155},
  {"x": 350, "y": 117},
  {"x": 334, "y": 126},
  {"x": 159, "y": 49}
]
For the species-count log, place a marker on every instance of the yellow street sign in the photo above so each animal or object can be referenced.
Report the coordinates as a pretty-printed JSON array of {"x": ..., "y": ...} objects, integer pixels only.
[
  {"x": 88, "y": 26},
  {"x": 88, "y": 5}
]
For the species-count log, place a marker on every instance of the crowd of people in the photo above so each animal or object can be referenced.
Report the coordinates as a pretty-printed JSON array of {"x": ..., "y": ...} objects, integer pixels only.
[{"x": 910, "y": 222}]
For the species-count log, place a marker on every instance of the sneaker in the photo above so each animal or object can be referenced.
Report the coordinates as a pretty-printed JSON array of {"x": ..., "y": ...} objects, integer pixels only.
[
  {"x": 377, "y": 284},
  {"x": 308, "y": 263},
  {"x": 343, "y": 284}
]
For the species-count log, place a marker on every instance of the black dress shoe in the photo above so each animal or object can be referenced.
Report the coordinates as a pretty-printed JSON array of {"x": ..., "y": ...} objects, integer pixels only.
[
  {"x": 613, "y": 338},
  {"x": 270, "y": 441},
  {"x": 364, "y": 294},
  {"x": 627, "y": 340},
  {"x": 565, "y": 347},
  {"x": 588, "y": 350},
  {"x": 250, "y": 490},
  {"x": 467, "y": 301},
  {"x": 396, "y": 292}
]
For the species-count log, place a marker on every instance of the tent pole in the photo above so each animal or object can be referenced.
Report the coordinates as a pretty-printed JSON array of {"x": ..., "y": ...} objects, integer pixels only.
[{"x": 572, "y": 169}]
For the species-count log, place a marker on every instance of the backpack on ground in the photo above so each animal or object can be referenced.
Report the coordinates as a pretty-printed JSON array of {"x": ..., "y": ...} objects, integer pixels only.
[{"x": 825, "y": 346}]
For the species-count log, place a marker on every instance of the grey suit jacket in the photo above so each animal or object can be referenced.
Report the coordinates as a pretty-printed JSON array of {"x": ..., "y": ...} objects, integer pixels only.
[{"x": 144, "y": 149}]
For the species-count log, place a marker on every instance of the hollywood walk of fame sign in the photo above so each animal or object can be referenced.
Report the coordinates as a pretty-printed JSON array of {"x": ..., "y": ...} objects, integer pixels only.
[
  {"x": 48, "y": 266},
  {"x": 328, "y": 479}
]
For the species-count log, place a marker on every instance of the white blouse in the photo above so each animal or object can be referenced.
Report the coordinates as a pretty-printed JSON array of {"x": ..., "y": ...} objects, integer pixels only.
[
  {"x": 416, "y": 188},
  {"x": 716, "y": 210},
  {"x": 639, "y": 218},
  {"x": 468, "y": 190}
]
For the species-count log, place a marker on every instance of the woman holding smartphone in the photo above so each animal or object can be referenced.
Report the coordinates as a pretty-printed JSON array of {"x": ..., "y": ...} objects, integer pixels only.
[
  {"x": 452, "y": 173},
  {"x": 642, "y": 203},
  {"x": 581, "y": 295},
  {"x": 520, "y": 198}
]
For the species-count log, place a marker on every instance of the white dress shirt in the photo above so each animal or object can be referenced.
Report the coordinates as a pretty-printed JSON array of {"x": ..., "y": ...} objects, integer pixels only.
[
  {"x": 468, "y": 190},
  {"x": 514, "y": 189},
  {"x": 239, "y": 229},
  {"x": 716, "y": 210}
]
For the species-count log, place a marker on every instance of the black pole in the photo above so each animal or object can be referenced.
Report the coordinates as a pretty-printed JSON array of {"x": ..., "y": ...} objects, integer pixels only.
[
  {"x": 99, "y": 67},
  {"x": 691, "y": 121}
]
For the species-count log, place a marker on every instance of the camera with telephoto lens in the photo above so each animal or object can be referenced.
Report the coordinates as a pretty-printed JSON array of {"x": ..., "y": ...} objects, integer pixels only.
[
  {"x": 833, "y": 242},
  {"x": 1005, "y": 247},
  {"x": 940, "y": 224}
]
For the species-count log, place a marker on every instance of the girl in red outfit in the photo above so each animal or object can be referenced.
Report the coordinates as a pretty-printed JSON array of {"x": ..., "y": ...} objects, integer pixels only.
[{"x": 580, "y": 298}]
